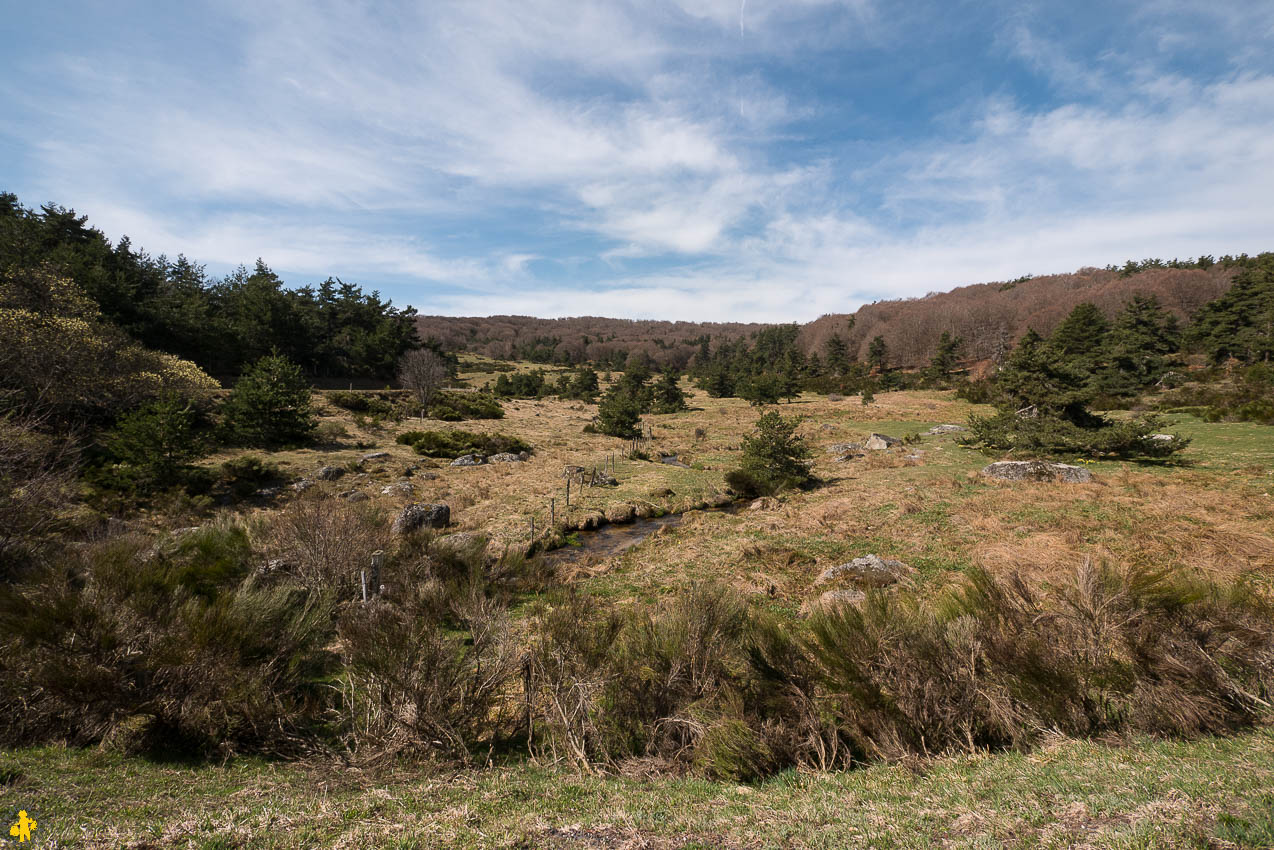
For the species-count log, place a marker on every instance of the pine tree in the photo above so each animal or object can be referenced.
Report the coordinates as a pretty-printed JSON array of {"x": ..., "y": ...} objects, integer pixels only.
[
  {"x": 619, "y": 413},
  {"x": 157, "y": 441},
  {"x": 944, "y": 360},
  {"x": 270, "y": 405},
  {"x": 1240, "y": 324},
  {"x": 837, "y": 354},
  {"x": 1033, "y": 378},
  {"x": 667, "y": 394},
  {"x": 878, "y": 353},
  {"x": 775, "y": 457},
  {"x": 1141, "y": 337},
  {"x": 1080, "y": 339}
]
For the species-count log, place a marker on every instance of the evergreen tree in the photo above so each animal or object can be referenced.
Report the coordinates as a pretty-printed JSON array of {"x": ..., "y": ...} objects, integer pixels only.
[
  {"x": 775, "y": 457},
  {"x": 763, "y": 388},
  {"x": 837, "y": 354},
  {"x": 1136, "y": 346},
  {"x": 1080, "y": 339},
  {"x": 878, "y": 353},
  {"x": 1240, "y": 324},
  {"x": 619, "y": 413},
  {"x": 157, "y": 442},
  {"x": 270, "y": 405},
  {"x": 667, "y": 394},
  {"x": 944, "y": 360},
  {"x": 1033, "y": 378}
]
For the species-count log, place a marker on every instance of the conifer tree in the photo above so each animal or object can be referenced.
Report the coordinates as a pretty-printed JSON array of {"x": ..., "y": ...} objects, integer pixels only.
[
  {"x": 270, "y": 405},
  {"x": 1081, "y": 338},
  {"x": 878, "y": 353},
  {"x": 668, "y": 396},
  {"x": 1240, "y": 324},
  {"x": 1141, "y": 337}
]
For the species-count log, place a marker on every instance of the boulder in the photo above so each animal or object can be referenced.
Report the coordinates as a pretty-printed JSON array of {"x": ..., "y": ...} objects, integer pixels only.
[
  {"x": 302, "y": 484},
  {"x": 604, "y": 480},
  {"x": 765, "y": 503},
  {"x": 524, "y": 455},
  {"x": 720, "y": 500},
  {"x": 468, "y": 460},
  {"x": 330, "y": 473},
  {"x": 504, "y": 457},
  {"x": 946, "y": 429},
  {"x": 867, "y": 571},
  {"x": 416, "y": 516},
  {"x": 1163, "y": 438},
  {"x": 398, "y": 488},
  {"x": 375, "y": 456},
  {"x": 355, "y": 496},
  {"x": 1036, "y": 470},
  {"x": 880, "y": 442}
]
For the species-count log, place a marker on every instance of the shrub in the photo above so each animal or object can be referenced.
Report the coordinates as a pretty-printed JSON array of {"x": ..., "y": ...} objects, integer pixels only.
[
  {"x": 153, "y": 446},
  {"x": 774, "y": 458},
  {"x": 36, "y": 483},
  {"x": 376, "y": 404},
  {"x": 456, "y": 407},
  {"x": 270, "y": 405},
  {"x": 324, "y": 544},
  {"x": 619, "y": 413},
  {"x": 1047, "y": 435},
  {"x": 330, "y": 433},
  {"x": 453, "y": 444},
  {"x": 245, "y": 474}
]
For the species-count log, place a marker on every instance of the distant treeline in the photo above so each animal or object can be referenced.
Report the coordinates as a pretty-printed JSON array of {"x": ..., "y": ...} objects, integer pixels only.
[
  {"x": 605, "y": 343},
  {"x": 221, "y": 324}
]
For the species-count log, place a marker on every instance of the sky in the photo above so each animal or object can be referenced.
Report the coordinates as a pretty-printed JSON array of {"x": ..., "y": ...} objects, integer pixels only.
[{"x": 705, "y": 160}]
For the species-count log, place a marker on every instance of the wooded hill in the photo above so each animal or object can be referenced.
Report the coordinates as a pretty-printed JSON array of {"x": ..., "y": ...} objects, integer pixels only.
[{"x": 989, "y": 317}]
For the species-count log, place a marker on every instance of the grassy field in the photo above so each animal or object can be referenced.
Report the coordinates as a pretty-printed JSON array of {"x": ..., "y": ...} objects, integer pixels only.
[
  {"x": 1145, "y": 794},
  {"x": 1212, "y": 511}
]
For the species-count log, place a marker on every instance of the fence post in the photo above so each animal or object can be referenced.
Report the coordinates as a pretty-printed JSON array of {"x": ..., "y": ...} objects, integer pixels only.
[
  {"x": 378, "y": 559},
  {"x": 568, "y": 490},
  {"x": 362, "y": 575},
  {"x": 552, "y": 512},
  {"x": 532, "y": 529}
]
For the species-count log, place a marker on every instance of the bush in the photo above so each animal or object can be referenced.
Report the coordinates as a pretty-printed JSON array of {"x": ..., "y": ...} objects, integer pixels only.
[
  {"x": 453, "y": 444},
  {"x": 380, "y": 405},
  {"x": 245, "y": 474},
  {"x": 774, "y": 458},
  {"x": 1047, "y": 435},
  {"x": 270, "y": 405},
  {"x": 457, "y": 407},
  {"x": 37, "y": 481}
]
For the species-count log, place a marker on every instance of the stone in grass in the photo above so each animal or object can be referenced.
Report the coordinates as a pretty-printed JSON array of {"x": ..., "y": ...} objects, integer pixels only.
[
  {"x": 302, "y": 484},
  {"x": 505, "y": 457},
  {"x": 417, "y": 516},
  {"x": 330, "y": 473},
  {"x": 468, "y": 460},
  {"x": 1036, "y": 470},
  {"x": 946, "y": 429},
  {"x": 880, "y": 442},
  {"x": 867, "y": 571},
  {"x": 375, "y": 456},
  {"x": 398, "y": 488}
]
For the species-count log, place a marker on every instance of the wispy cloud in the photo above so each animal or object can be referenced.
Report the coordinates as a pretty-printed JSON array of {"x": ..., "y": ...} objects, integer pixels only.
[{"x": 767, "y": 160}]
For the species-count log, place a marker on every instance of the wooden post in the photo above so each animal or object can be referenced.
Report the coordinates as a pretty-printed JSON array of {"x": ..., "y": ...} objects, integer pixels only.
[
  {"x": 362, "y": 575},
  {"x": 552, "y": 512},
  {"x": 532, "y": 529},
  {"x": 378, "y": 560},
  {"x": 568, "y": 490}
]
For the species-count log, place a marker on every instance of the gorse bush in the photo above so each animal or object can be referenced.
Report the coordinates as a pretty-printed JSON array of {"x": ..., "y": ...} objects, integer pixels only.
[{"x": 453, "y": 444}]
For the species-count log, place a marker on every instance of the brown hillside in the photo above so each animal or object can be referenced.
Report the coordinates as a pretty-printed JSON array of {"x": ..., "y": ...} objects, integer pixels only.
[
  {"x": 578, "y": 339},
  {"x": 990, "y": 316}
]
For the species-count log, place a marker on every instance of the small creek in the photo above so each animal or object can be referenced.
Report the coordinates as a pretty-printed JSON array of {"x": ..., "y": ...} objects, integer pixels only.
[{"x": 613, "y": 539}]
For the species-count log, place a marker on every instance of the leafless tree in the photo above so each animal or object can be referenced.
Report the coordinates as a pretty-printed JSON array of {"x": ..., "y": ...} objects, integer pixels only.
[{"x": 424, "y": 372}]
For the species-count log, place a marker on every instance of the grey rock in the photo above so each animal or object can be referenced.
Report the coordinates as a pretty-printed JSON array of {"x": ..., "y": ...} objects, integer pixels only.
[
  {"x": 375, "y": 456},
  {"x": 301, "y": 485},
  {"x": 1163, "y": 438},
  {"x": 880, "y": 442},
  {"x": 398, "y": 488},
  {"x": 867, "y": 571},
  {"x": 843, "y": 448},
  {"x": 468, "y": 460},
  {"x": 330, "y": 473},
  {"x": 524, "y": 455},
  {"x": 1036, "y": 470},
  {"x": 268, "y": 492},
  {"x": 504, "y": 457},
  {"x": 605, "y": 480},
  {"x": 765, "y": 503},
  {"x": 946, "y": 429},
  {"x": 416, "y": 516}
]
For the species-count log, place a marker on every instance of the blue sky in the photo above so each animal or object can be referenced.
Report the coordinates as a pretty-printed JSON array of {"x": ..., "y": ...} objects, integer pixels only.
[{"x": 753, "y": 161}]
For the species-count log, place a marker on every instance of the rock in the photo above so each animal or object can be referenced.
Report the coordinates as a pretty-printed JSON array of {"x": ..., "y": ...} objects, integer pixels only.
[
  {"x": 468, "y": 460},
  {"x": 268, "y": 492},
  {"x": 661, "y": 493},
  {"x": 355, "y": 496},
  {"x": 835, "y": 397},
  {"x": 398, "y": 488},
  {"x": 831, "y": 600},
  {"x": 867, "y": 571},
  {"x": 1036, "y": 470},
  {"x": 946, "y": 429},
  {"x": 620, "y": 513},
  {"x": 302, "y": 485},
  {"x": 375, "y": 456},
  {"x": 524, "y": 455},
  {"x": 880, "y": 442},
  {"x": 330, "y": 473},
  {"x": 416, "y": 516},
  {"x": 827, "y": 426},
  {"x": 720, "y": 500},
  {"x": 765, "y": 503},
  {"x": 460, "y": 543},
  {"x": 1163, "y": 438},
  {"x": 504, "y": 457},
  {"x": 274, "y": 565},
  {"x": 673, "y": 460},
  {"x": 604, "y": 480}
]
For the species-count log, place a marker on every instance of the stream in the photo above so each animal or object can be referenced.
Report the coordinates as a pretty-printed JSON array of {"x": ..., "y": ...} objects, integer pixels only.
[{"x": 613, "y": 539}]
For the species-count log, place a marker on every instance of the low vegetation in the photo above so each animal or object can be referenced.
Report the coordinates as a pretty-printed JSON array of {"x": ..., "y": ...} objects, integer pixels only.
[{"x": 453, "y": 444}]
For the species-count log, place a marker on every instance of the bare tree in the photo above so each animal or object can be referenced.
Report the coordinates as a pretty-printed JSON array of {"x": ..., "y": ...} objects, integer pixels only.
[{"x": 424, "y": 372}]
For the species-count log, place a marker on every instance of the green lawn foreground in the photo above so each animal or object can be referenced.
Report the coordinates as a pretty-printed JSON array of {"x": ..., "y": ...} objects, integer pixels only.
[{"x": 1149, "y": 794}]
